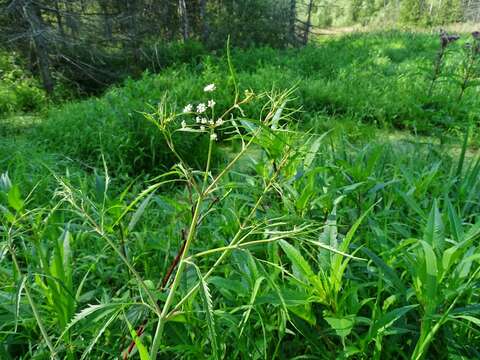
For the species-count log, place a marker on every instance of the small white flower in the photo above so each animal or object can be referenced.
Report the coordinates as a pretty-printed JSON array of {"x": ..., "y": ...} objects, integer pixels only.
[
  {"x": 209, "y": 88},
  {"x": 202, "y": 128},
  {"x": 211, "y": 122},
  {"x": 201, "y": 108},
  {"x": 219, "y": 122},
  {"x": 204, "y": 120},
  {"x": 211, "y": 103},
  {"x": 213, "y": 137},
  {"x": 184, "y": 124},
  {"x": 188, "y": 108},
  {"x": 198, "y": 119}
]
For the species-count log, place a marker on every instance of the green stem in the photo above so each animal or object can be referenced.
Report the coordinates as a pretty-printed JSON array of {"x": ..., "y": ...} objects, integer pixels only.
[
  {"x": 230, "y": 164},
  {"x": 238, "y": 245},
  {"x": 437, "y": 69},
  {"x": 236, "y": 239},
  {"x": 426, "y": 337},
  {"x": 182, "y": 264},
  {"x": 165, "y": 314},
  {"x": 129, "y": 266},
  {"x": 209, "y": 160},
  {"x": 466, "y": 79},
  {"x": 176, "y": 281}
]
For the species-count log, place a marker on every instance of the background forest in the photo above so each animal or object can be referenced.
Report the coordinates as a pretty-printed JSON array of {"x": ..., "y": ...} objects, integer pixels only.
[{"x": 84, "y": 46}]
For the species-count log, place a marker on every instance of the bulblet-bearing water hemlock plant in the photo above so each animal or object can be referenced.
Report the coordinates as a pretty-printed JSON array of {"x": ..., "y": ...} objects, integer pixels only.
[{"x": 205, "y": 185}]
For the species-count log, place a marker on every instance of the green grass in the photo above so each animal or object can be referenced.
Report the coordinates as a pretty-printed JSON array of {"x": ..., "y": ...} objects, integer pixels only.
[
  {"x": 308, "y": 234},
  {"x": 380, "y": 79}
]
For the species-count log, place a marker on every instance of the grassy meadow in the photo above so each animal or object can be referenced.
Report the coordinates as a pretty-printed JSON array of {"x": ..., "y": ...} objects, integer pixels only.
[{"x": 307, "y": 203}]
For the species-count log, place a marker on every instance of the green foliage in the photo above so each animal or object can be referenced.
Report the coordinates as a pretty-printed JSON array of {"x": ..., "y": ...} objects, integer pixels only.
[
  {"x": 407, "y": 258},
  {"x": 251, "y": 23},
  {"x": 413, "y": 11},
  {"x": 312, "y": 234},
  {"x": 115, "y": 66},
  {"x": 137, "y": 145},
  {"x": 381, "y": 79},
  {"x": 429, "y": 12},
  {"x": 96, "y": 44},
  {"x": 19, "y": 90}
]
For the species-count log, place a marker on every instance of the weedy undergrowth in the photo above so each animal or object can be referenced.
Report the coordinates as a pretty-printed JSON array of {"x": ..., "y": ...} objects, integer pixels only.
[
  {"x": 207, "y": 190},
  {"x": 291, "y": 245}
]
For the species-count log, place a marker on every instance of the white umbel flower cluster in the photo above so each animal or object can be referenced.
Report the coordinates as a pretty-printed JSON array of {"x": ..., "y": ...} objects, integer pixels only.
[
  {"x": 209, "y": 88},
  {"x": 201, "y": 108},
  {"x": 203, "y": 122}
]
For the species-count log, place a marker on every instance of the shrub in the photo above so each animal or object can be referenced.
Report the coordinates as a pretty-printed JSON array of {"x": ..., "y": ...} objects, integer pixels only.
[{"x": 19, "y": 90}]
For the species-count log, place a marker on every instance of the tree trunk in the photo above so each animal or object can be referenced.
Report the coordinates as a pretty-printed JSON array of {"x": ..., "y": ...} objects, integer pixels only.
[
  {"x": 184, "y": 17},
  {"x": 133, "y": 40},
  {"x": 71, "y": 20},
  {"x": 107, "y": 23},
  {"x": 292, "y": 22},
  {"x": 37, "y": 32},
  {"x": 203, "y": 17},
  {"x": 58, "y": 16},
  {"x": 308, "y": 24}
]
